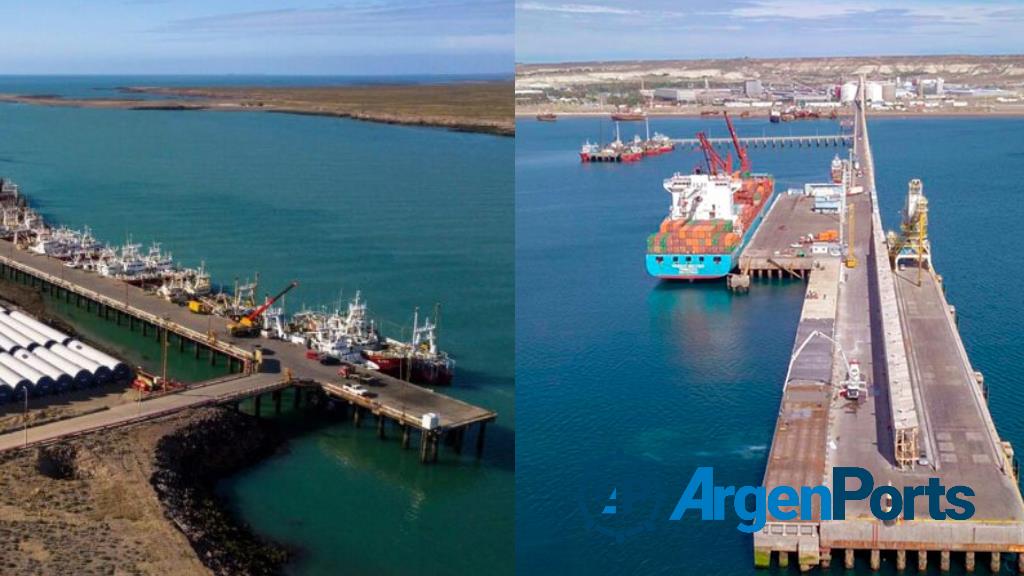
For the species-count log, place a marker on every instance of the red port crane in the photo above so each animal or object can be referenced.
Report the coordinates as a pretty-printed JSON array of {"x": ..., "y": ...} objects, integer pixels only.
[
  {"x": 246, "y": 326},
  {"x": 715, "y": 162},
  {"x": 741, "y": 152}
]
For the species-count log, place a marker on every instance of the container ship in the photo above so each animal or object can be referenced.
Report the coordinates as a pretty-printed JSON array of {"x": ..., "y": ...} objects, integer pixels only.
[{"x": 713, "y": 214}]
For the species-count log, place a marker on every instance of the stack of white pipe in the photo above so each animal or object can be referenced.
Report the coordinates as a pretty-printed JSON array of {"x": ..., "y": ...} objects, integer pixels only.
[
  {"x": 41, "y": 383},
  {"x": 41, "y": 359}
]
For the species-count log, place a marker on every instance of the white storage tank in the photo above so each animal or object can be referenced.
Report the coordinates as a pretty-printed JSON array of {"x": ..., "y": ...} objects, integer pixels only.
[
  {"x": 41, "y": 383},
  {"x": 51, "y": 333},
  {"x": 16, "y": 336},
  {"x": 28, "y": 331},
  {"x": 101, "y": 374},
  {"x": 17, "y": 384},
  {"x": 848, "y": 93},
  {"x": 120, "y": 370},
  {"x": 62, "y": 380},
  {"x": 80, "y": 375},
  {"x": 874, "y": 92}
]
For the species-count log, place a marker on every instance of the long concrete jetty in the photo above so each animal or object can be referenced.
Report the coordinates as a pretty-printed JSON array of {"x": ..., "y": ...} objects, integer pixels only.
[
  {"x": 924, "y": 414},
  {"x": 279, "y": 364}
]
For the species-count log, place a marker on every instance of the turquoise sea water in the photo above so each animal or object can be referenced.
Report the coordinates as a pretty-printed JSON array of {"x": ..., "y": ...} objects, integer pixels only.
[
  {"x": 628, "y": 384},
  {"x": 410, "y": 216}
]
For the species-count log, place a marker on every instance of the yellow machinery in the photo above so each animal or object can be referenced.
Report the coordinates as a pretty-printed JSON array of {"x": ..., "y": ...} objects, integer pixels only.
[
  {"x": 912, "y": 244},
  {"x": 249, "y": 325},
  {"x": 198, "y": 307}
]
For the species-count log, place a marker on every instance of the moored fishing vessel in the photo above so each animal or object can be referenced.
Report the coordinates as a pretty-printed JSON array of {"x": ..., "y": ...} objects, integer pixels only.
[
  {"x": 418, "y": 360},
  {"x": 712, "y": 216}
]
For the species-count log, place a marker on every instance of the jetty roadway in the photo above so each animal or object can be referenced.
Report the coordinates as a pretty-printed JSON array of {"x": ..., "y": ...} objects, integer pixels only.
[
  {"x": 283, "y": 363},
  {"x": 925, "y": 414}
]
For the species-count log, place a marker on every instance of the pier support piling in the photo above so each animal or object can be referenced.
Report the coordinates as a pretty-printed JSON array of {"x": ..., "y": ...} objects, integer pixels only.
[
  {"x": 944, "y": 561},
  {"x": 783, "y": 559},
  {"x": 922, "y": 560},
  {"x": 380, "y": 426},
  {"x": 405, "y": 436},
  {"x": 1020, "y": 562},
  {"x": 995, "y": 563},
  {"x": 848, "y": 559},
  {"x": 876, "y": 559},
  {"x": 256, "y": 405},
  {"x": 969, "y": 561},
  {"x": 481, "y": 433},
  {"x": 901, "y": 560},
  {"x": 356, "y": 416},
  {"x": 276, "y": 396}
]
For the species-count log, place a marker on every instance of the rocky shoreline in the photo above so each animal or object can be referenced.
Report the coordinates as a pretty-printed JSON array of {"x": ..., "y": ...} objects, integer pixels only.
[
  {"x": 137, "y": 500},
  {"x": 189, "y": 462}
]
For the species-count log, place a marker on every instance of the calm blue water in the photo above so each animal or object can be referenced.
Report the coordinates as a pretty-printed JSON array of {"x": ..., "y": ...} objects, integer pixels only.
[
  {"x": 411, "y": 216},
  {"x": 630, "y": 384}
]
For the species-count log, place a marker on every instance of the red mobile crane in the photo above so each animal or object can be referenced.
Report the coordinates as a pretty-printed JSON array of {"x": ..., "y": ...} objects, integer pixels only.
[{"x": 247, "y": 325}]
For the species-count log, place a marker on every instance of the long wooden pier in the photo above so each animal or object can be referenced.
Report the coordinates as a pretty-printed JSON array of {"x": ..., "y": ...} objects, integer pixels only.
[{"x": 279, "y": 365}]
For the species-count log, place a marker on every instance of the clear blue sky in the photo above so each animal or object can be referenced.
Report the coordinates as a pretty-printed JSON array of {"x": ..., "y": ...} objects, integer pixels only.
[
  {"x": 567, "y": 30},
  {"x": 256, "y": 36}
]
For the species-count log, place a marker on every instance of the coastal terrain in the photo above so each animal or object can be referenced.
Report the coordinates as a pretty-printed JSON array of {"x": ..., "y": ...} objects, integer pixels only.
[
  {"x": 466, "y": 106},
  {"x": 971, "y": 85}
]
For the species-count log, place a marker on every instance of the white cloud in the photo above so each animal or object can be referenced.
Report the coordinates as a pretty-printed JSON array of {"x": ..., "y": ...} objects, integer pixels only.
[{"x": 573, "y": 8}]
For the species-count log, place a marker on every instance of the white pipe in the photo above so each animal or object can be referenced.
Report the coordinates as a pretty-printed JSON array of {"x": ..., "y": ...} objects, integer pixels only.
[
  {"x": 63, "y": 380},
  {"x": 81, "y": 376},
  {"x": 120, "y": 369},
  {"x": 100, "y": 372},
  {"x": 12, "y": 378},
  {"x": 53, "y": 334},
  {"x": 35, "y": 335},
  {"x": 41, "y": 383},
  {"x": 6, "y": 344},
  {"x": 17, "y": 337}
]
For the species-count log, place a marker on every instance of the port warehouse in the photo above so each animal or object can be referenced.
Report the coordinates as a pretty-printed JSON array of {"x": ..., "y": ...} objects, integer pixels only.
[
  {"x": 436, "y": 417},
  {"x": 36, "y": 360},
  {"x": 927, "y": 415}
]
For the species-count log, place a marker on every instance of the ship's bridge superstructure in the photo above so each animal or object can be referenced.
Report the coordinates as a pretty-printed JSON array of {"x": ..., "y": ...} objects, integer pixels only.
[{"x": 702, "y": 196}]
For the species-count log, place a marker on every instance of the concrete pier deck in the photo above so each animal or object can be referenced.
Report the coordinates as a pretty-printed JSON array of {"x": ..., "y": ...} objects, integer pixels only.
[
  {"x": 770, "y": 251},
  {"x": 925, "y": 415},
  {"x": 283, "y": 363}
]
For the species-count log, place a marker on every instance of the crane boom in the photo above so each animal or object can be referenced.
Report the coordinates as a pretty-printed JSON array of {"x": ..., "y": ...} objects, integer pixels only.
[
  {"x": 715, "y": 162},
  {"x": 263, "y": 307},
  {"x": 741, "y": 152}
]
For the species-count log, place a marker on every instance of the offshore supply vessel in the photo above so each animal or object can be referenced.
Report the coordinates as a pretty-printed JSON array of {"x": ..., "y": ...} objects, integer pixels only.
[{"x": 713, "y": 215}]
